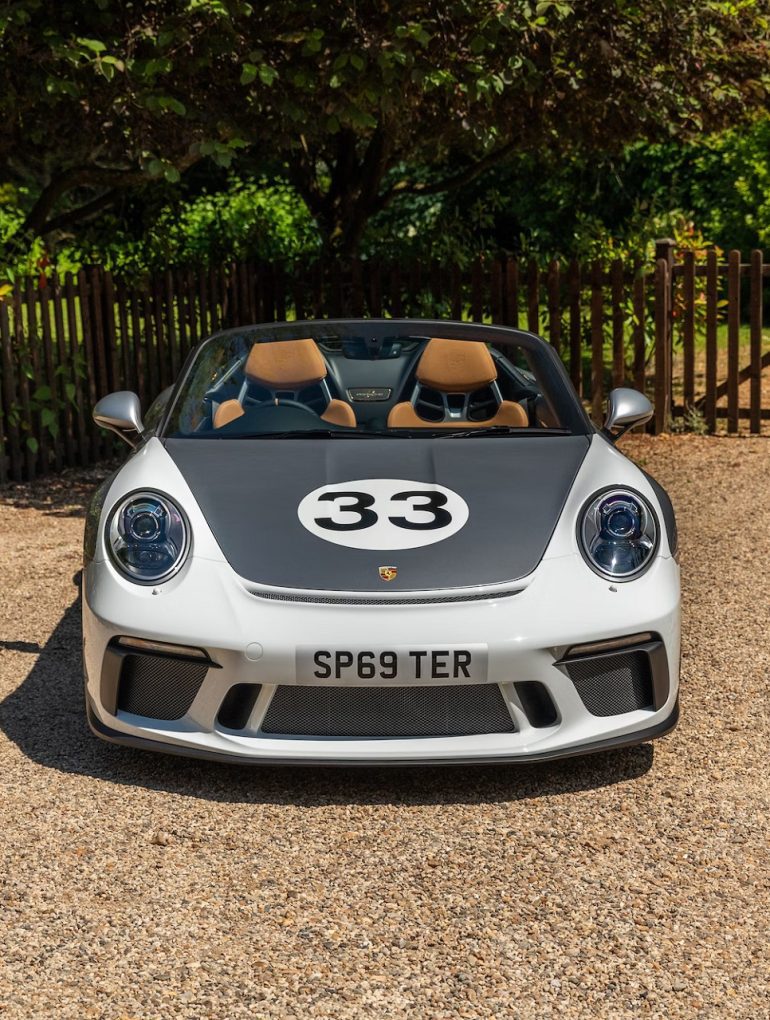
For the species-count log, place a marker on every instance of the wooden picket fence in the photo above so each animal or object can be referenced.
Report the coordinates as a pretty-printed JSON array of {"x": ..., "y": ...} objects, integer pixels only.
[{"x": 687, "y": 332}]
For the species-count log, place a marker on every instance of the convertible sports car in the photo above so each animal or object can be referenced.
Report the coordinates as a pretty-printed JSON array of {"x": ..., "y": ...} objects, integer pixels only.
[{"x": 378, "y": 541}]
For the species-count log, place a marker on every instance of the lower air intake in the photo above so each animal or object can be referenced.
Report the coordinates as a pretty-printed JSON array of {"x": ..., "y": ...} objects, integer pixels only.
[
  {"x": 613, "y": 684},
  {"x": 388, "y": 711},
  {"x": 159, "y": 687},
  {"x": 236, "y": 708}
]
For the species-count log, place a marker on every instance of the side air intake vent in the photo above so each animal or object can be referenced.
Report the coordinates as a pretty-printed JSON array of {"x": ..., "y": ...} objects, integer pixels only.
[
  {"x": 237, "y": 705},
  {"x": 613, "y": 684},
  {"x": 536, "y": 702},
  {"x": 158, "y": 686}
]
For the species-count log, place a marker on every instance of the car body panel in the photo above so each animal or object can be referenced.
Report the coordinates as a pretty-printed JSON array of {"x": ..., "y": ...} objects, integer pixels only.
[{"x": 249, "y": 494}]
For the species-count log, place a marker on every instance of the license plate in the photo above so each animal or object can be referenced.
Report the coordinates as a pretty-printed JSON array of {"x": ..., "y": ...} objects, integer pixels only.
[{"x": 391, "y": 667}]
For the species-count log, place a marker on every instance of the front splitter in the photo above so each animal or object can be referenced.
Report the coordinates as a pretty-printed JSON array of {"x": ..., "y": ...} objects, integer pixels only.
[{"x": 105, "y": 732}]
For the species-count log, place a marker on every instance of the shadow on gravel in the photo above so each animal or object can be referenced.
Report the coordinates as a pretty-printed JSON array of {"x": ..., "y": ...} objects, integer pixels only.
[
  {"x": 63, "y": 495},
  {"x": 45, "y": 718}
]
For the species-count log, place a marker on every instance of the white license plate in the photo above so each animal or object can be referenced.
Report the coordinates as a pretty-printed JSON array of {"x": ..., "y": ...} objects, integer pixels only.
[{"x": 391, "y": 667}]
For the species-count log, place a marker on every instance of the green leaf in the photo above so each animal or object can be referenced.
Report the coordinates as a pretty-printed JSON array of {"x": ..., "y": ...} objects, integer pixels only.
[
  {"x": 248, "y": 74},
  {"x": 47, "y": 417},
  {"x": 169, "y": 103},
  {"x": 267, "y": 74},
  {"x": 313, "y": 42},
  {"x": 69, "y": 389},
  {"x": 172, "y": 175},
  {"x": 92, "y": 44},
  {"x": 42, "y": 393},
  {"x": 32, "y": 444}
]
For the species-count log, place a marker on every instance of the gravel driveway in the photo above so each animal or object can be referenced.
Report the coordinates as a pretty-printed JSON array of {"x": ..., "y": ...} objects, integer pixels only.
[{"x": 625, "y": 884}]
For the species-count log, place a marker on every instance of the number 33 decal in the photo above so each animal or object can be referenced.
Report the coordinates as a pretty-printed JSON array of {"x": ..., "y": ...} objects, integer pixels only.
[{"x": 383, "y": 513}]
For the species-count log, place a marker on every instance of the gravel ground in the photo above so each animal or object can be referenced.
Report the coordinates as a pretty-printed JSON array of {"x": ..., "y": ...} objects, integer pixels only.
[{"x": 625, "y": 884}]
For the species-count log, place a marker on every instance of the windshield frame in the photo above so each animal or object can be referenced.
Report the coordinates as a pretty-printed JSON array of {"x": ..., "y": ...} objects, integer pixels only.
[{"x": 574, "y": 417}]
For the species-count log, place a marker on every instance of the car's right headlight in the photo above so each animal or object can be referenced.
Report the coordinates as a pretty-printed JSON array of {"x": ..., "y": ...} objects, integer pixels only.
[
  {"x": 148, "y": 537},
  {"x": 618, "y": 534}
]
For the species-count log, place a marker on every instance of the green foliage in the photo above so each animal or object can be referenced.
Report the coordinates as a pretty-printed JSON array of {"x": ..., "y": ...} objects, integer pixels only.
[
  {"x": 45, "y": 404},
  {"x": 347, "y": 100},
  {"x": 246, "y": 219},
  {"x": 693, "y": 420}
]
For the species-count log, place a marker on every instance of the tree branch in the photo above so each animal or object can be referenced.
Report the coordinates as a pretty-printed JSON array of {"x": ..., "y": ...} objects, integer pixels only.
[
  {"x": 37, "y": 220},
  {"x": 448, "y": 183},
  {"x": 82, "y": 212}
]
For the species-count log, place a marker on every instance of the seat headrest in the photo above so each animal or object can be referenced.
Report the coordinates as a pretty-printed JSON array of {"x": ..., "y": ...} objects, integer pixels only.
[
  {"x": 285, "y": 364},
  {"x": 456, "y": 366}
]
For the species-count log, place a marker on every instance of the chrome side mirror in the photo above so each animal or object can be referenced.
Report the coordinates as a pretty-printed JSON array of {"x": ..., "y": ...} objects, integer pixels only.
[
  {"x": 625, "y": 409},
  {"x": 121, "y": 413}
]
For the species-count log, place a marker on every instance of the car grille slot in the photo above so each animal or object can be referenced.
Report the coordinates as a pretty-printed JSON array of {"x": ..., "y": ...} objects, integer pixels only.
[
  {"x": 237, "y": 706},
  {"x": 442, "y": 711},
  {"x": 382, "y": 600},
  {"x": 537, "y": 703},
  {"x": 159, "y": 686},
  {"x": 613, "y": 684}
]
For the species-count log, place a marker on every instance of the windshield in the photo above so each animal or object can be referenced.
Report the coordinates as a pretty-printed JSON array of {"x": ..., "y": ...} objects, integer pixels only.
[{"x": 358, "y": 379}]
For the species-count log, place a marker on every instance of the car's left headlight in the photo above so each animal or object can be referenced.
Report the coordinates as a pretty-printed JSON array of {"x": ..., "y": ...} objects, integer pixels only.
[
  {"x": 148, "y": 537},
  {"x": 618, "y": 534}
]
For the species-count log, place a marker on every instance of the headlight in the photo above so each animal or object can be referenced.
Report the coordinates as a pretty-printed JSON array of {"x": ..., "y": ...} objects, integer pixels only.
[
  {"x": 148, "y": 537},
  {"x": 618, "y": 534}
]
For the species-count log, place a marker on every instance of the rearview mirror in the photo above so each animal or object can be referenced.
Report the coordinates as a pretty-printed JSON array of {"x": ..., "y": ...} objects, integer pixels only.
[
  {"x": 121, "y": 413},
  {"x": 625, "y": 409}
]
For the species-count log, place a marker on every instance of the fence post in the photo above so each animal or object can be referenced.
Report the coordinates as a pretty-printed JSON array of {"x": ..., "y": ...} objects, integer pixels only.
[
  {"x": 755, "y": 395},
  {"x": 733, "y": 337},
  {"x": 664, "y": 347}
]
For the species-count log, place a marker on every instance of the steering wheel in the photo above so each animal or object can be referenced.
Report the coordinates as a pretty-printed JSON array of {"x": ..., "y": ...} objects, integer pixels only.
[{"x": 285, "y": 402}]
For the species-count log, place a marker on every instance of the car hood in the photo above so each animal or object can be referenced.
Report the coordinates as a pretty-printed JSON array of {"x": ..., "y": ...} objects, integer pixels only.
[{"x": 250, "y": 491}]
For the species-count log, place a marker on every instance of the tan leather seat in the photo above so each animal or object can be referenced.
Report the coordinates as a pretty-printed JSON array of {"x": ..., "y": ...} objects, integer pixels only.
[
  {"x": 456, "y": 366},
  {"x": 286, "y": 365}
]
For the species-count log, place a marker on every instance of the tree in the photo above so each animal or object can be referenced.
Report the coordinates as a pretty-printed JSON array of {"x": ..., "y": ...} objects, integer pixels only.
[{"x": 355, "y": 103}]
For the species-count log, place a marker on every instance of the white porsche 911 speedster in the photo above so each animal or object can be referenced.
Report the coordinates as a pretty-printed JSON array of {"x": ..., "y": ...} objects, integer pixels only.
[{"x": 378, "y": 541}]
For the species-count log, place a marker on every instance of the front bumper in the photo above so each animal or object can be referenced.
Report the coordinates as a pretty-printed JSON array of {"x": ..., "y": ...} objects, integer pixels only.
[{"x": 526, "y": 637}]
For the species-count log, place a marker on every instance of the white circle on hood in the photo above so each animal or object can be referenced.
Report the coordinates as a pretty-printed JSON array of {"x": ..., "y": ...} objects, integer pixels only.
[{"x": 383, "y": 513}]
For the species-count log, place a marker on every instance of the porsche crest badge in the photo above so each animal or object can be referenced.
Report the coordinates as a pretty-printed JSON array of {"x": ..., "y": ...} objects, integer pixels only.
[{"x": 388, "y": 573}]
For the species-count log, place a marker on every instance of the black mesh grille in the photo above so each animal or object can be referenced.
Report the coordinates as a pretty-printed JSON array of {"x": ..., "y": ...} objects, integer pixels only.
[
  {"x": 612, "y": 684},
  {"x": 159, "y": 687},
  {"x": 388, "y": 711}
]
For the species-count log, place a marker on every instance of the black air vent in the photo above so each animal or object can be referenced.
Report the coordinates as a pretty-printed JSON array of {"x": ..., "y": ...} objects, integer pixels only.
[
  {"x": 237, "y": 705},
  {"x": 613, "y": 684},
  {"x": 536, "y": 702},
  {"x": 159, "y": 686},
  {"x": 388, "y": 711}
]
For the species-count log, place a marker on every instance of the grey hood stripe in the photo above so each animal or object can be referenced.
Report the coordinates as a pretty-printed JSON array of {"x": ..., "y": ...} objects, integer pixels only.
[{"x": 249, "y": 491}]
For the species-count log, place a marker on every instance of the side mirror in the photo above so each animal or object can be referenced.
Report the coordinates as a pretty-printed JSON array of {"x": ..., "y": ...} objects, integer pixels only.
[
  {"x": 625, "y": 409},
  {"x": 121, "y": 413}
]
